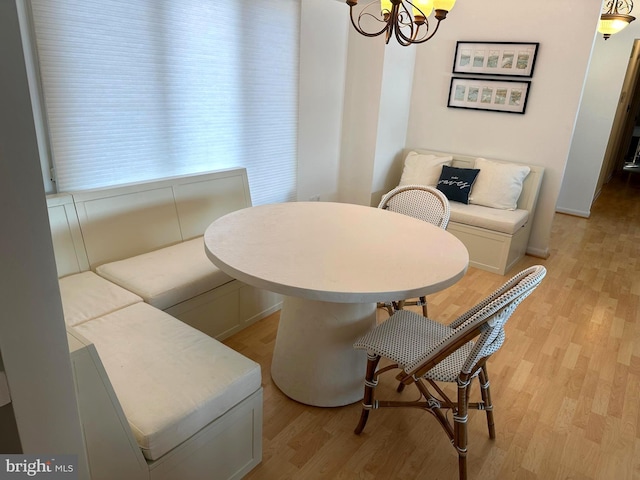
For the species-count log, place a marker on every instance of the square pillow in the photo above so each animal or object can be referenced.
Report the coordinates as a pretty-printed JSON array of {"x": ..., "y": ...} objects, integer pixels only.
[
  {"x": 456, "y": 183},
  {"x": 421, "y": 169},
  {"x": 498, "y": 185}
]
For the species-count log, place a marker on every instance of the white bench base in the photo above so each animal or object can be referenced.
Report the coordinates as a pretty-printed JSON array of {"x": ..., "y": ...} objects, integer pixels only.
[
  {"x": 491, "y": 251},
  {"x": 228, "y": 448},
  {"x": 226, "y": 310}
]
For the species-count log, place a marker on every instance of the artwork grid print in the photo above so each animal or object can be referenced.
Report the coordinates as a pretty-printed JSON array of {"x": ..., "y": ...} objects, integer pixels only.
[{"x": 495, "y": 58}]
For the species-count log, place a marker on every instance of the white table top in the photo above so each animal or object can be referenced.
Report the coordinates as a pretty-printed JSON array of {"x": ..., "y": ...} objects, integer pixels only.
[{"x": 335, "y": 252}]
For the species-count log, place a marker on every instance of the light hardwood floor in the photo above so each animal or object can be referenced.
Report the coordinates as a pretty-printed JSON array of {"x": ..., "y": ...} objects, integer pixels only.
[{"x": 566, "y": 384}]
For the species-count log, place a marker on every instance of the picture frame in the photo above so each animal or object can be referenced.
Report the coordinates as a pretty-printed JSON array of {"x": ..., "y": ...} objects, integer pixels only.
[
  {"x": 514, "y": 59},
  {"x": 498, "y": 95}
]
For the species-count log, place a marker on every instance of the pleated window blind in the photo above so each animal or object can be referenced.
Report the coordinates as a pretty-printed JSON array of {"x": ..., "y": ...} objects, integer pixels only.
[{"x": 143, "y": 89}]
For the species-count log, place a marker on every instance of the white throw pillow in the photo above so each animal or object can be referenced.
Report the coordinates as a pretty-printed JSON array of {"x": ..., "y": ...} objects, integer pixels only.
[
  {"x": 498, "y": 184},
  {"x": 422, "y": 169}
]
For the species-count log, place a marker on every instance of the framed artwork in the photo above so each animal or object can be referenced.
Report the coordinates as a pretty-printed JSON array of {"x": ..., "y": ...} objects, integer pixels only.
[
  {"x": 489, "y": 94},
  {"x": 495, "y": 58}
]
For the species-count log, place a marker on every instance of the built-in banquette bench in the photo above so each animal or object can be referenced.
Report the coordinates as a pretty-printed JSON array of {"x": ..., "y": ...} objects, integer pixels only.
[
  {"x": 158, "y": 398},
  {"x": 495, "y": 228},
  {"x": 147, "y": 238}
]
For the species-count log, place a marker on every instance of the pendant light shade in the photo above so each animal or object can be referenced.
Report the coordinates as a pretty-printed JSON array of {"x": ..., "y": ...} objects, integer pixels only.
[{"x": 615, "y": 17}]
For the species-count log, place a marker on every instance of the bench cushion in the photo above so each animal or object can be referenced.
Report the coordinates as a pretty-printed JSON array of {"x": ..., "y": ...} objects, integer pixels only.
[
  {"x": 86, "y": 295},
  {"x": 505, "y": 221},
  {"x": 166, "y": 277},
  {"x": 171, "y": 379}
]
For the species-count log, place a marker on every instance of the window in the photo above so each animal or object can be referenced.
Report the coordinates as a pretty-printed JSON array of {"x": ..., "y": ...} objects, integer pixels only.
[{"x": 141, "y": 90}]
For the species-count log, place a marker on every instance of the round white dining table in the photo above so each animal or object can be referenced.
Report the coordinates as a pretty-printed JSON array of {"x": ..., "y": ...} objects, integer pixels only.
[{"x": 332, "y": 262}]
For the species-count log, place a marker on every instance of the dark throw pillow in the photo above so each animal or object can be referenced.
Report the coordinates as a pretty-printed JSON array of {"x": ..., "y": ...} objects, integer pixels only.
[{"x": 456, "y": 183}]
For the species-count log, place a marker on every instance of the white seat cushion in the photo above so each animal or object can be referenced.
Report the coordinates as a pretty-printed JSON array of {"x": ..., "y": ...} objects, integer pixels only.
[
  {"x": 166, "y": 277},
  {"x": 505, "y": 221},
  {"x": 171, "y": 379},
  {"x": 86, "y": 295}
]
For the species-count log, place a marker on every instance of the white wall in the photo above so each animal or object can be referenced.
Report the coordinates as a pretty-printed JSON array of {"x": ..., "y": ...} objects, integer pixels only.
[
  {"x": 32, "y": 334},
  {"x": 363, "y": 91},
  {"x": 597, "y": 111},
  {"x": 395, "y": 103},
  {"x": 543, "y": 134},
  {"x": 323, "y": 64},
  {"x": 354, "y": 106}
]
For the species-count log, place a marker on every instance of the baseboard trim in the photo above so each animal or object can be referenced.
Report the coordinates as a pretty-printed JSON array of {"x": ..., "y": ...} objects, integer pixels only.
[
  {"x": 575, "y": 213},
  {"x": 538, "y": 252}
]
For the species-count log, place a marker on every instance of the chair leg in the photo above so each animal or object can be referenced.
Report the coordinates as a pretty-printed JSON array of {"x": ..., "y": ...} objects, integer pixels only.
[
  {"x": 386, "y": 305},
  {"x": 423, "y": 300},
  {"x": 369, "y": 385},
  {"x": 462, "y": 468},
  {"x": 390, "y": 308},
  {"x": 486, "y": 398},
  {"x": 460, "y": 418}
]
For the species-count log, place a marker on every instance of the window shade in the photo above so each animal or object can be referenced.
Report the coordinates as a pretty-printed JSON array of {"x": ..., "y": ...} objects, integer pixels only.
[{"x": 141, "y": 90}]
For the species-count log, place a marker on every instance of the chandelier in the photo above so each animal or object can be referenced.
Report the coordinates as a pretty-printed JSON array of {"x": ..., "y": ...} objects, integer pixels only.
[
  {"x": 615, "y": 16},
  {"x": 404, "y": 19}
]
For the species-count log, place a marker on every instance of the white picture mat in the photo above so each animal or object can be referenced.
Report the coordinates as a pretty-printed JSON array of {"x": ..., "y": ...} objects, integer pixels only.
[
  {"x": 487, "y": 94},
  {"x": 495, "y": 58}
]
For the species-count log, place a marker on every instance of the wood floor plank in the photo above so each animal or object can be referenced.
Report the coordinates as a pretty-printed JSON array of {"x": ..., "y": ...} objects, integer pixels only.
[{"x": 566, "y": 384}]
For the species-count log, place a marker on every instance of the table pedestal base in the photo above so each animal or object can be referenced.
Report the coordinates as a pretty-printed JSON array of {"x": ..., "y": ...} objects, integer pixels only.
[{"x": 314, "y": 361}]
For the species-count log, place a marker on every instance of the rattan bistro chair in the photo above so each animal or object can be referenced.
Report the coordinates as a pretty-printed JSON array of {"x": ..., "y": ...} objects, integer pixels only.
[
  {"x": 421, "y": 202},
  {"x": 426, "y": 352}
]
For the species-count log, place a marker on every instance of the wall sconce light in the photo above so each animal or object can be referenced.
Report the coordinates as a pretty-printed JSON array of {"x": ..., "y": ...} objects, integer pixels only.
[{"x": 404, "y": 19}]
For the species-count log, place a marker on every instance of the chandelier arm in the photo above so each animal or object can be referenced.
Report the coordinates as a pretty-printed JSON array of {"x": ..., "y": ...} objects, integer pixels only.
[
  {"x": 626, "y": 4},
  {"x": 618, "y": 6},
  {"x": 405, "y": 40},
  {"x": 422, "y": 40},
  {"x": 391, "y": 25},
  {"x": 401, "y": 38},
  {"x": 359, "y": 29}
]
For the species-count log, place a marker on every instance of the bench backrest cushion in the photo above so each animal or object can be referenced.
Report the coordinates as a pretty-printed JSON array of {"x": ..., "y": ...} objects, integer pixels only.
[
  {"x": 68, "y": 246},
  {"x": 96, "y": 226}
]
